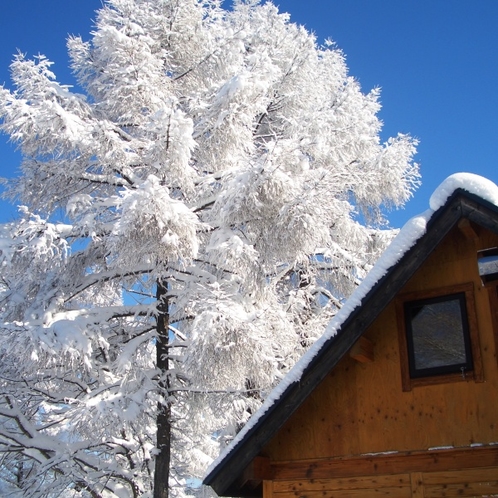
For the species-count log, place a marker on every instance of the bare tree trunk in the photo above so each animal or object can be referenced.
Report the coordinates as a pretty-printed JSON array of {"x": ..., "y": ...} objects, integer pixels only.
[{"x": 163, "y": 458}]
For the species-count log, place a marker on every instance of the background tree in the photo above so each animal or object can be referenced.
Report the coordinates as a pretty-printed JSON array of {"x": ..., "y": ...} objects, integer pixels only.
[{"x": 188, "y": 227}]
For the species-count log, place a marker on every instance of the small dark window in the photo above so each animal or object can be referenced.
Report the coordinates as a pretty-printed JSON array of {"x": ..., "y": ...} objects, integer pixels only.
[
  {"x": 438, "y": 336},
  {"x": 487, "y": 262},
  {"x": 437, "y": 333}
]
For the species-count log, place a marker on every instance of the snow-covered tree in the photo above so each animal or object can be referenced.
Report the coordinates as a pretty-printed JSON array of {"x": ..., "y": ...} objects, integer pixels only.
[{"x": 188, "y": 226}]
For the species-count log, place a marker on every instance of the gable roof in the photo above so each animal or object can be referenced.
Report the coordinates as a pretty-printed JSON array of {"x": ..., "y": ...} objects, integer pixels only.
[{"x": 460, "y": 196}]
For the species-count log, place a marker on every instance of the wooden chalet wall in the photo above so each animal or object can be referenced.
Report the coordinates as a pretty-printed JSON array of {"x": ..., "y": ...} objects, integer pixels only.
[{"x": 431, "y": 441}]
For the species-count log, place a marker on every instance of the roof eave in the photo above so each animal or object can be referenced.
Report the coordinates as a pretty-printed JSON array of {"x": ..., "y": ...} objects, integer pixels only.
[{"x": 459, "y": 205}]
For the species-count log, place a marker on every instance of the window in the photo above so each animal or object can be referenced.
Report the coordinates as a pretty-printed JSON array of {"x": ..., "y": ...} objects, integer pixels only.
[
  {"x": 438, "y": 336},
  {"x": 487, "y": 263},
  {"x": 492, "y": 289}
]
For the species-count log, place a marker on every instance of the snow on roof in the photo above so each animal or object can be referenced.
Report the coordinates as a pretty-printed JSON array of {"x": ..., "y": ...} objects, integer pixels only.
[
  {"x": 406, "y": 238},
  {"x": 474, "y": 184}
]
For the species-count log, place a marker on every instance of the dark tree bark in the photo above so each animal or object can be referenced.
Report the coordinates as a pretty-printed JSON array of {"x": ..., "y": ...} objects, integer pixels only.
[{"x": 163, "y": 458}]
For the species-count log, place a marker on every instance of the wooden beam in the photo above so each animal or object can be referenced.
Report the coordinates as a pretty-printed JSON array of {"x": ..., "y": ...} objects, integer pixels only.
[
  {"x": 493, "y": 303},
  {"x": 478, "y": 489},
  {"x": 467, "y": 229},
  {"x": 460, "y": 476},
  {"x": 302, "y": 487},
  {"x": 395, "y": 491},
  {"x": 469, "y": 482},
  {"x": 397, "y": 463},
  {"x": 257, "y": 471},
  {"x": 363, "y": 350},
  {"x": 417, "y": 482},
  {"x": 267, "y": 489}
]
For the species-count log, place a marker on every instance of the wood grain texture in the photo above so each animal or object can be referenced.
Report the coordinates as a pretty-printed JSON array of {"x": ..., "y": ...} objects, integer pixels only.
[
  {"x": 362, "y": 351},
  {"x": 392, "y": 464},
  {"x": 451, "y": 483},
  {"x": 363, "y": 407},
  {"x": 341, "y": 408}
]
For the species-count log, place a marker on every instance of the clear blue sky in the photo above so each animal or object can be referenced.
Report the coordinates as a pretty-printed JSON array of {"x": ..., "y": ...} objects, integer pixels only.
[{"x": 435, "y": 60}]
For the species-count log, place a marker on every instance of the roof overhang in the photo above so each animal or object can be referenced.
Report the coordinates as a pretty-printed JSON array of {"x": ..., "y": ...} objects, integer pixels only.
[{"x": 233, "y": 475}]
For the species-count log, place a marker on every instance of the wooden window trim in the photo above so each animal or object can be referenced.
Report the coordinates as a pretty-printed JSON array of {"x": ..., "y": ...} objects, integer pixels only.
[
  {"x": 476, "y": 374},
  {"x": 492, "y": 289}
]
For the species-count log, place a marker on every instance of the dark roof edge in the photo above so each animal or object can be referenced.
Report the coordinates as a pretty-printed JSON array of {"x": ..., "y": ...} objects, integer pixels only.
[{"x": 460, "y": 203}]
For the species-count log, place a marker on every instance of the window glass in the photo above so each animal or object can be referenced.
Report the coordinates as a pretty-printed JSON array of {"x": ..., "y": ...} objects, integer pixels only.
[
  {"x": 437, "y": 336},
  {"x": 487, "y": 262}
]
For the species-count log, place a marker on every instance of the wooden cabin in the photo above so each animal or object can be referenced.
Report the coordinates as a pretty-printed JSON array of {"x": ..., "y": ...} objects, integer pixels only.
[{"x": 400, "y": 398}]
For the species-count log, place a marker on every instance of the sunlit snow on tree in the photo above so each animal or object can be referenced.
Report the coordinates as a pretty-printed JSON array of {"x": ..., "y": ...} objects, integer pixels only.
[{"x": 189, "y": 226}]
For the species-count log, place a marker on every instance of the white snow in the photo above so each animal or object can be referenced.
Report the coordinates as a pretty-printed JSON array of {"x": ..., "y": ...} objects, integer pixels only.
[
  {"x": 406, "y": 238},
  {"x": 474, "y": 184}
]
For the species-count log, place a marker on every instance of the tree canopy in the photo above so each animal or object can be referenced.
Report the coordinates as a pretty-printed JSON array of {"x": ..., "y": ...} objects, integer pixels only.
[{"x": 191, "y": 217}]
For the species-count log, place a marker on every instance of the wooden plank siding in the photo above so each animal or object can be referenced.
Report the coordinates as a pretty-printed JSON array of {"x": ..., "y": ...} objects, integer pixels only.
[
  {"x": 380, "y": 465},
  {"x": 361, "y": 407},
  {"x": 414, "y": 476},
  {"x": 353, "y": 424},
  {"x": 473, "y": 483}
]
